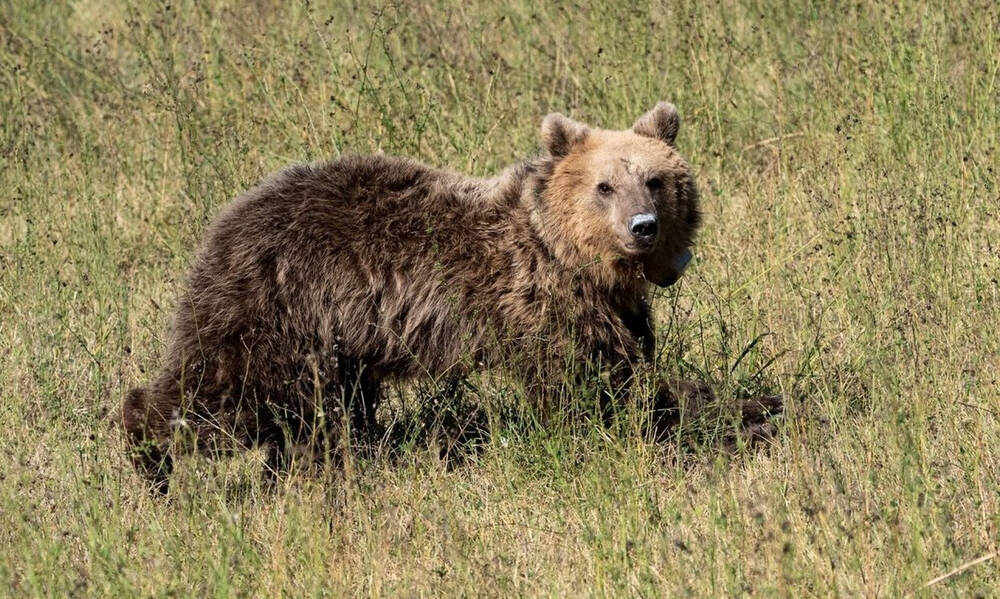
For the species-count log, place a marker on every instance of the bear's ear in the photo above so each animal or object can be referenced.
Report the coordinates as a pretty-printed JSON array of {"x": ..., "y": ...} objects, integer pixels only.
[
  {"x": 560, "y": 133},
  {"x": 660, "y": 123}
]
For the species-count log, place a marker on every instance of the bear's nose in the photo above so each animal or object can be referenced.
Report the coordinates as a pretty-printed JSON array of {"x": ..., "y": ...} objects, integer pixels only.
[{"x": 643, "y": 226}]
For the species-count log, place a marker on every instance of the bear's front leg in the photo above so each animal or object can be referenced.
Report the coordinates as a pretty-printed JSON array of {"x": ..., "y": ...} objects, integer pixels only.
[{"x": 687, "y": 400}]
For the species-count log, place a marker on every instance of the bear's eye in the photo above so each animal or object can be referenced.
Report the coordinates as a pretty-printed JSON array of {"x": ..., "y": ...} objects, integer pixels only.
[
  {"x": 604, "y": 188},
  {"x": 655, "y": 184}
]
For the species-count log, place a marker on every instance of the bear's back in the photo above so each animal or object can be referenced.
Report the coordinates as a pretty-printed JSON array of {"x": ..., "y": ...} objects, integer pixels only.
[
  {"x": 382, "y": 254},
  {"x": 371, "y": 204}
]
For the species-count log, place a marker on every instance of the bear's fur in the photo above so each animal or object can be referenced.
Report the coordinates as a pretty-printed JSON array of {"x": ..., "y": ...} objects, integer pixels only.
[{"x": 312, "y": 289}]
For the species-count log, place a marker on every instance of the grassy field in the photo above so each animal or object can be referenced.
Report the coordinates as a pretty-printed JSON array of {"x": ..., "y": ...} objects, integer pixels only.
[{"x": 849, "y": 161}]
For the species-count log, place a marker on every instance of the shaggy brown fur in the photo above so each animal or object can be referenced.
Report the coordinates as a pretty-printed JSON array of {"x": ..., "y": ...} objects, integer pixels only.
[{"x": 326, "y": 280}]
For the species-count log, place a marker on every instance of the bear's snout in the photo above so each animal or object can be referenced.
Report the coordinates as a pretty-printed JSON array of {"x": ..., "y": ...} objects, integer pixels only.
[{"x": 643, "y": 228}]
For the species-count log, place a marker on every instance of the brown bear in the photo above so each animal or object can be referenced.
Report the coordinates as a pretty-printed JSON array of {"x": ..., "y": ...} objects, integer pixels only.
[{"x": 326, "y": 280}]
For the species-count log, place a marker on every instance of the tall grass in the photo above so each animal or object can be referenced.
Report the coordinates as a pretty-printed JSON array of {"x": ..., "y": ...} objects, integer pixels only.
[{"x": 848, "y": 160}]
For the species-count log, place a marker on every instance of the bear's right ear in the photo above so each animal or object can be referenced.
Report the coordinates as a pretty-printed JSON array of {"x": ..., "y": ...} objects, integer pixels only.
[
  {"x": 560, "y": 133},
  {"x": 659, "y": 123}
]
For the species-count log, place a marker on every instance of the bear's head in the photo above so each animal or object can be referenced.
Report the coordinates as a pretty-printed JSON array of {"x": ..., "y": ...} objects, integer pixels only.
[{"x": 619, "y": 205}]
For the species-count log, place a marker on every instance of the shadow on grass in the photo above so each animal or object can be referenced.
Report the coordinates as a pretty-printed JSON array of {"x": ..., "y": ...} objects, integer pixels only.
[
  {"x": 450, "y": 424},
  {"x": 686, "y": 415}
]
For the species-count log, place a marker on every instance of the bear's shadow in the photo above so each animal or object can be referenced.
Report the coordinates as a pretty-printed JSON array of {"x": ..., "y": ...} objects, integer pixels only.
[{"x": 449, "y": 419}]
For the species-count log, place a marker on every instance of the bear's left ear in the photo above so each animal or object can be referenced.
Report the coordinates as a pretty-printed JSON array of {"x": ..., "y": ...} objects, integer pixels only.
[
  {"x": 560, "y": 133},
  {"x": 660, "y": 123}
]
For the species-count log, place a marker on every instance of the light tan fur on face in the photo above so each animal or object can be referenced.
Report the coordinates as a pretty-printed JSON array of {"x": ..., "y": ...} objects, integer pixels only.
[{"x": 593, "y": 230}]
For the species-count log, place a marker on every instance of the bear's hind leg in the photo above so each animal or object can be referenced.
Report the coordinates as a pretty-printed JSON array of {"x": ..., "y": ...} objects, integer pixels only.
[
  {"x": 321, "y": 426},
  {"x": 147, "y": 437}
]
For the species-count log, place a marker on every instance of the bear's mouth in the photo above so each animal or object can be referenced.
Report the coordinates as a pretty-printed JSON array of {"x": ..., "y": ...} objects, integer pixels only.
[{"x": 639, "y": 248}]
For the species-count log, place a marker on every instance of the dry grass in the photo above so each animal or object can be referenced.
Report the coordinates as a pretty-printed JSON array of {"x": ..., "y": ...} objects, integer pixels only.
[{"x": 848, "y": 158}]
